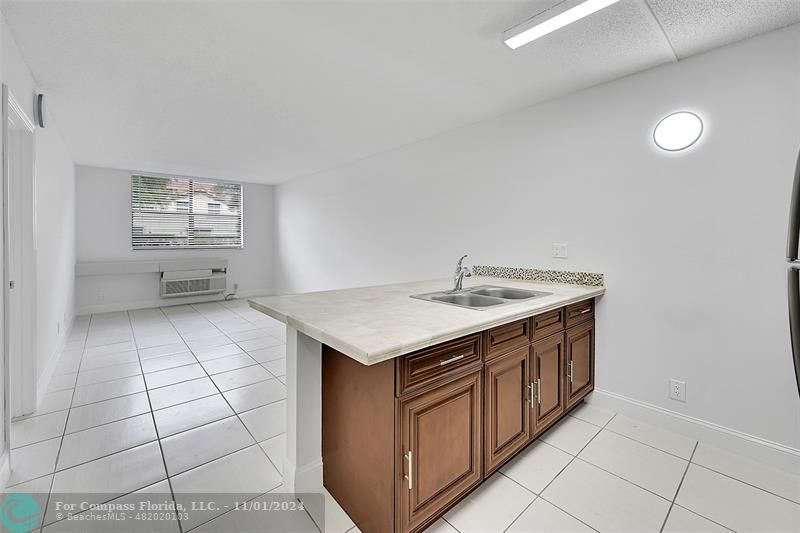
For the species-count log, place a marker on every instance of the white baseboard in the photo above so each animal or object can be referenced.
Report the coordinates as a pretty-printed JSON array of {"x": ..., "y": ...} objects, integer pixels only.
[
  {"x": 306, "y": 479},
  {"x": 765, "y": 451},
  {"x": 164, "y": 302},
  {"x": 43, "y": 382}
]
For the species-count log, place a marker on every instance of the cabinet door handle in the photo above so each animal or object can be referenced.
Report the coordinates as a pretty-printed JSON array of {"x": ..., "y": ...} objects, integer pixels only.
[
  {"x": 569, "y": 371},
  {"x": 539, "y": 391},
  {"x": 410, "y": 477},
  {"x": 530, "y": 394},
  {"x": 451, "y": 360},
  {"x": 535, "y": 393}
]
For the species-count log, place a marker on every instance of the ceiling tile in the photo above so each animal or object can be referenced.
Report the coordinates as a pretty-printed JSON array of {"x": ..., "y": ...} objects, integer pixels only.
[{"x": 695, "y": 26}]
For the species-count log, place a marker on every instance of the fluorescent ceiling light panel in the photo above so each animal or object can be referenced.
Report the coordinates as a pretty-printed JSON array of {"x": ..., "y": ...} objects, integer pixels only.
[{"x": 551, "y": 20}]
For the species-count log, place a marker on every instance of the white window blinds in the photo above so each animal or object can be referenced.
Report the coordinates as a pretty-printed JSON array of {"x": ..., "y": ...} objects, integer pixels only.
[{"x": 185, "y": 213}]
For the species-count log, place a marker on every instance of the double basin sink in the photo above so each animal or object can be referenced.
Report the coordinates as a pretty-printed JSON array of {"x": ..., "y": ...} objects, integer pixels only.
[{"x": 481, "y": 297}]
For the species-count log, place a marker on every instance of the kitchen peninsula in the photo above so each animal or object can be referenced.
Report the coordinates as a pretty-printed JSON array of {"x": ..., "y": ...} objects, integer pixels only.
[{"x": 413, "y": 403}]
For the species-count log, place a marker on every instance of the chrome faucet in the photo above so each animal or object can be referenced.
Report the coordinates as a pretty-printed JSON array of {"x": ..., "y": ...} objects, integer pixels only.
[{"x": 460, "y": 274}]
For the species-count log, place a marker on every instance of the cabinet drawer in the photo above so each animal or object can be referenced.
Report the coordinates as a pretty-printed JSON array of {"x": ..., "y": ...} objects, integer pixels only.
[
  {"x": 420, "y": 368},
  {"x": 507, "y": 337},
  {"x": 548, "y": 323},
  {"x": 580, "y": 312}
]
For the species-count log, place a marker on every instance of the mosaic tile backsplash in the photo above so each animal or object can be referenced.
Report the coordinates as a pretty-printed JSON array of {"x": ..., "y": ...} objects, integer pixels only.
[{"x": 591, "y": 279}]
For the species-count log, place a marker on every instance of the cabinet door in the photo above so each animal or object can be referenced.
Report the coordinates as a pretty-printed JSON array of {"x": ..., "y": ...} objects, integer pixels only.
[
  {"x": 579, "y": 379},
  {"x": 507, "y": 409},
  {"x": 440, "y": 449},
  {"x": 547, "y": 362}
]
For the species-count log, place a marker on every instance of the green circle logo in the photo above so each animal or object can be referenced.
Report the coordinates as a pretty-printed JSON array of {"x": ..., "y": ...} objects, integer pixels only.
[{"x": 20, "y": 513}]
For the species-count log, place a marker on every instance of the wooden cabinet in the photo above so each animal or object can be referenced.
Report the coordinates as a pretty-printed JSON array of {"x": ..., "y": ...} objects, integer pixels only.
[
  {"x": 547, "y": 370},
  {"x": 548, "y": 323},
  {"x": 424, "y": 367},
  {"x": 506, "y": 405},
  {"x": 439, "y": 437},
  {"x": 406, "y": 439},
  {"x": 579, "y": 312},
  {"x": 579, "y": 376},
  {"x": 503, "y": 339}
]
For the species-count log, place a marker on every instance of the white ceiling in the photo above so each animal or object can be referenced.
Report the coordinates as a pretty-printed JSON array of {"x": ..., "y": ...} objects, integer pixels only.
[{"x": 272, "y": 90}]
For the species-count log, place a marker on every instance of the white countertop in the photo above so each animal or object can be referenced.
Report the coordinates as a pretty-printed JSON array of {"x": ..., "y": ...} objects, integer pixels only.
[{"x": 372, "y": 324}]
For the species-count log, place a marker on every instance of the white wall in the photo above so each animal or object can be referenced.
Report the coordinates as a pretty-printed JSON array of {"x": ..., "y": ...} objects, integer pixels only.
[
  {"x": 55, "y": 215},
  {"x": 55, "y": 290},
  {"x": 104, "y": 234},
  {"x": 692, "y": 245}
]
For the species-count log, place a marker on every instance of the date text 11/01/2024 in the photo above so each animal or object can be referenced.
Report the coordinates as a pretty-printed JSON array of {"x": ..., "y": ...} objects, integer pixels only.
[{"x": 174, "y": 507}]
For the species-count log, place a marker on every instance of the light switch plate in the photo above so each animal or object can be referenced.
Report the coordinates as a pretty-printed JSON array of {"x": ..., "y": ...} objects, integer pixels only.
[
  {"x": 560, "y": 250},
  {"x": 677, "y": 390}
]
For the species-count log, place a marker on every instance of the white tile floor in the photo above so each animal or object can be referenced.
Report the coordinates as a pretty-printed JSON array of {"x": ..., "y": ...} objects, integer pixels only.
[
  {"x": 191, "y": 399},
  {"x": 177, "y": 401}
]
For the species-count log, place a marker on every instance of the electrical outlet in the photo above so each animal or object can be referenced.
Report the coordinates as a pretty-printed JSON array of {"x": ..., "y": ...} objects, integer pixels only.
[
  {"x": 560, "y": 250},
  {"x": 677, "y": 390}
]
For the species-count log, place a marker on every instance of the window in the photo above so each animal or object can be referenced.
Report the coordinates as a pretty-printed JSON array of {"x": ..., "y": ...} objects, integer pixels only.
[{"x": 185, "y": 213}]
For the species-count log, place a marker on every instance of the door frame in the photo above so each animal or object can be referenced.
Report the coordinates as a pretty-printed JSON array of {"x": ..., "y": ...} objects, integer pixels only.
[{"x": 19, "y": 399}]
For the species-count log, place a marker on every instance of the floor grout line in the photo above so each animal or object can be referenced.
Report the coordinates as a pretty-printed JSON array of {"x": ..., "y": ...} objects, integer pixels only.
[
  {"x": 603, "y": 428},
  {"x": 679, "y": 506},
  {"x": 158, "y": 437},
  {"x": 650, "y": 445},
  {"x": 734, "y": 478},
  {"x": 576, "y": 455},
  {"x": 581, "y": 459},
  {"x": 256, "y": 441},
  {"x": 680, "y": 484},
  {"x": 162, "y": 409},
  {"x": 61, "y": 444},
  {"x": 259, "y": 447},
  {"x": 535, "y": 497},
  {"x": 116, "y": 497},
  {"x": 541, "y": 493},
  {"x": 146, "y": 391},
  {"x": 165, "y": 386}
]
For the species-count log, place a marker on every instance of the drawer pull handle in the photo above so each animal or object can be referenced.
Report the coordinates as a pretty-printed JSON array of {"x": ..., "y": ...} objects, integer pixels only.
[
  {"x": 444, "y": 362},
  {"x": 410, "y": 476},
  {"x": 585, "y": 311}
]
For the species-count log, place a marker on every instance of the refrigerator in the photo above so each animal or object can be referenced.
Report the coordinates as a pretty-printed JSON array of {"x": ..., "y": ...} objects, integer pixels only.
[{"x": 793, "y": 272}]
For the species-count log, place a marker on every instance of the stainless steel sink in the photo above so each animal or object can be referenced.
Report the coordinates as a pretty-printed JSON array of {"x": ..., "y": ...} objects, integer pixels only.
[
  {"x": 508, "y": 293},
  {"x": 481, "y": 297},
  {"x": 468, "y": 300}
]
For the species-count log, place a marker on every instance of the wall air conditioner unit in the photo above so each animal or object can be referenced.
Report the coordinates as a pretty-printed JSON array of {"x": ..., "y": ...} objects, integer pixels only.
[{"x": 192, "y": 278}]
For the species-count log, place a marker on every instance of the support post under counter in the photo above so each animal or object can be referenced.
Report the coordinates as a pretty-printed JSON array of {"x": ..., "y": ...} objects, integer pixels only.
[{"x": 302, "y": 468}]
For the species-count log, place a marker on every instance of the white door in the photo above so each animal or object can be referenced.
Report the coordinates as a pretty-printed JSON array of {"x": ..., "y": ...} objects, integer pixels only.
[{"x": 20, "y": 257}]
